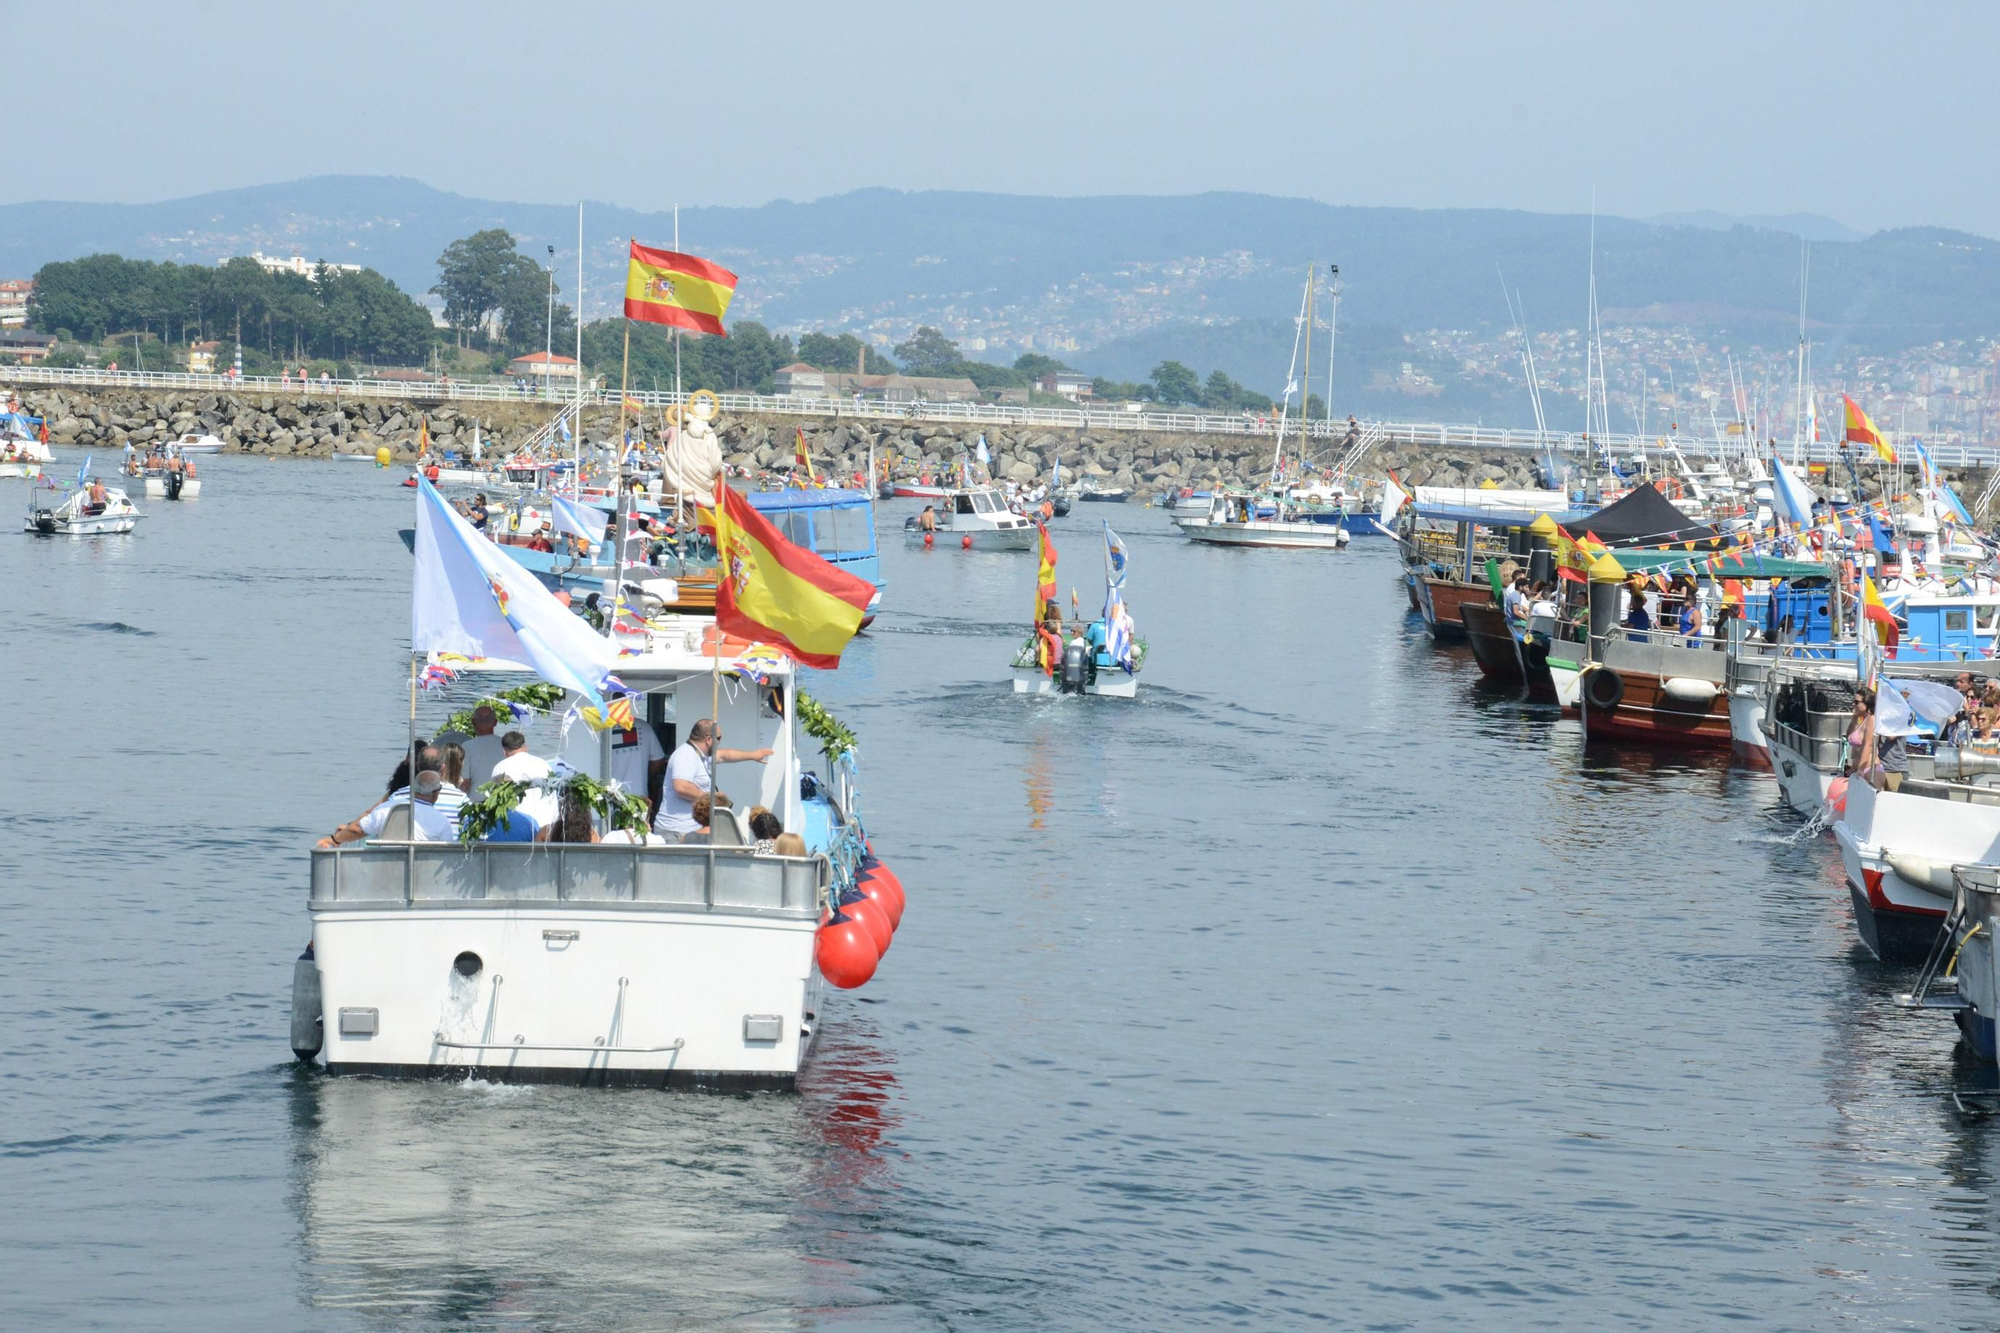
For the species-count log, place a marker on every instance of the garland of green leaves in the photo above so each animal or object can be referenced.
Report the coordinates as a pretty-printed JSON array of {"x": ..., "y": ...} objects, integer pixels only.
[
  {"x": 488, "y": 810},
  {"x": 540, "y": 696},
  {"x": 833, "y": 735}
]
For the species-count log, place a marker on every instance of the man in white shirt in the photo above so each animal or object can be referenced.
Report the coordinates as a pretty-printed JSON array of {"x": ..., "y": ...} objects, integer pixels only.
[
  {"x": 518, "y": 765},
  {"x": 450, "y": 800},
  {"x": 427, "y": 822},
  {"x": 482, "y": 749},
  {"x": 688, "y": 776}
]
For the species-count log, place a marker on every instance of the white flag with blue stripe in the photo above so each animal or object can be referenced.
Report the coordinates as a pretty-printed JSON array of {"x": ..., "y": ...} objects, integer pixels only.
[
  {"x": 1114, "y": 557},
  {"x": 1117, "y": 629},
  {"x": 1795, "y": 499},
  {"x": 578, "y": 520},
  {"x": 470, "y": 598}
]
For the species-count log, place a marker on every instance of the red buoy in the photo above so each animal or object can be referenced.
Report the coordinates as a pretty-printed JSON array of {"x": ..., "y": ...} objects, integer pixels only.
[
  {"x": 1836, "y": 796},
  {"x": 874, "y": 919},
  {"x": 930, "y": 539},
  {"x": 965, "y": 542},
  {"x": 846, "y": 952},
  {"x": 883, "y": 896},
  {"x": 879, "y": 881}
]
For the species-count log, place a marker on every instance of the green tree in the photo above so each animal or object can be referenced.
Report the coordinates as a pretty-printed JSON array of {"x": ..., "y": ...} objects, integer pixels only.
[
  {"x": 1175, "y": 383},
  {"x": 928, "y": 352},
  {"x": 473, "y": 273},
  {"x": 839, "y": 352},
  {"x": 1034, "y": 365}
]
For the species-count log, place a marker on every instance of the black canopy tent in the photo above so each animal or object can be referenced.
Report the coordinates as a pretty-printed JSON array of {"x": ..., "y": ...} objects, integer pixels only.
[{"x": 1646, "y": 518}]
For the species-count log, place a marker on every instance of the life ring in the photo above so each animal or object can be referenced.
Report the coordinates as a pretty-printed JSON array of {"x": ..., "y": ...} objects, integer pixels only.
[
  {"x": 1603, "y": 688},
  {"x": 1670, "y": 486},
  {"x": 710, "y": 412}
]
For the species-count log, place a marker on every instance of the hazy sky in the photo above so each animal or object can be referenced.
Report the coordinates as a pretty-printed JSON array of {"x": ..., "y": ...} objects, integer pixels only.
[{"x": 1876, "y": 115}]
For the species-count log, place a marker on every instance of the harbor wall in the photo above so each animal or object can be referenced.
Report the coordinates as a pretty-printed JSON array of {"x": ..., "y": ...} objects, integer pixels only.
[{"x": 315, "y": 425}]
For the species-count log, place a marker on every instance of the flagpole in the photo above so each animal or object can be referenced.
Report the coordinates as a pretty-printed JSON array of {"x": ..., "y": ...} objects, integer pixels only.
[
  {"x": 624, "y": 378},
  {"x": 576, "y": 444},
  {"x": 715, "y": 632},
  {"x": 413, "y": 740},
  {"x": 677, "y": 349}
]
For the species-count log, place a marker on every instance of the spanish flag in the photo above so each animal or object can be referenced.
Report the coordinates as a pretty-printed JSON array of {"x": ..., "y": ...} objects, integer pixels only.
[
  {"x": 1873, "y": 608},
  {"x": 770, "y": 591},
  {"x": 1045, "y": 577},
  {"x": 802, "y": 457},
  {"x": 1860, "y": 430},
  {"x": 662, "y": 287}
]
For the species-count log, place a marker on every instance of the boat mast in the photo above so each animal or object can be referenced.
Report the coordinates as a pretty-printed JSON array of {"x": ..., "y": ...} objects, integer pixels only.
[
  {"x": 1332, "y": 333},
  {"x": 1305, "y": 394},
  {"x": 1291, "y": 384},
  {"x": 576, "y": 439}
]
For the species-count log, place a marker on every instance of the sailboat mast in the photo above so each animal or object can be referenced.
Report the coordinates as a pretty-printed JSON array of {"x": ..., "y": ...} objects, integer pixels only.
[
  {"x": 1285, "y": 406},
  {"x": 1305, "y": 393},
  {"x": 1332, "y": 333}
]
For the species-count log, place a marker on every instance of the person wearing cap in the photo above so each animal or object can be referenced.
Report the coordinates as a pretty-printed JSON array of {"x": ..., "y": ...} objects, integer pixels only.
[{"x": 427, "y": 822}]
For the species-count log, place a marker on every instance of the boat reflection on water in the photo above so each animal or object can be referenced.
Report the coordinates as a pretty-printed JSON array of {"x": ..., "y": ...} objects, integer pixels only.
[{"x": 481, "y": 1203}]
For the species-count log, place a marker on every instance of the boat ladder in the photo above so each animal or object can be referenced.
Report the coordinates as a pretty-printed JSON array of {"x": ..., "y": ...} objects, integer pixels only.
[{"x": 1936, "y": 970}]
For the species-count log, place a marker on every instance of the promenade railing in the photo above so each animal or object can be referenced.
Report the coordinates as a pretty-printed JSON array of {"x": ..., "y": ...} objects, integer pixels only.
[{"x": 1260, "y": 426}]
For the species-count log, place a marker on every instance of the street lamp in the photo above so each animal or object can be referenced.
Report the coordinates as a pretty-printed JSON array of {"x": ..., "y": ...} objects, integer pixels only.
[{"x": 549, "y": 338}]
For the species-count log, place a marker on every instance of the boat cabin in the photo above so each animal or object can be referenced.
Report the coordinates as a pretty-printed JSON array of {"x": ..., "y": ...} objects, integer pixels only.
[{"x": 837, "y": 525}]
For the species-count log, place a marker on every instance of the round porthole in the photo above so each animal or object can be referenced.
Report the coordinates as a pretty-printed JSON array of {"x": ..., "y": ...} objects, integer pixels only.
[{"x": 467, "y": 964}]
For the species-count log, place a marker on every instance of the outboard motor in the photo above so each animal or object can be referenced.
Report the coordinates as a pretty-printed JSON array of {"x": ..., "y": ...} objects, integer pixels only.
[
  {"x": 45, "y": 521},
  {"x": 173, "y": 485},
  {"x": 1075, "y": 668}
]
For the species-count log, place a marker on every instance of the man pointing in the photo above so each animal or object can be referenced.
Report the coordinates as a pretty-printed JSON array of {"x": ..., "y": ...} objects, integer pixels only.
[{"x": 688, "y": 775}]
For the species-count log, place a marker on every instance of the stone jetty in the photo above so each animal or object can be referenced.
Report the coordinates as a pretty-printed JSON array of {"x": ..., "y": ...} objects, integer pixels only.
[{"x": 315, "y": 425}]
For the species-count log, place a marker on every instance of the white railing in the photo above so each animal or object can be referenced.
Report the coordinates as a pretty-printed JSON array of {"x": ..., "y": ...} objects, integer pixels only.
[{"x": 1443, "y": 435}]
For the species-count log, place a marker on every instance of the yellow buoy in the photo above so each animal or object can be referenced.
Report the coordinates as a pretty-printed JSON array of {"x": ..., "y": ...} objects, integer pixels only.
[
  {"x": 1543, "y": 527},
  {"x": 1607, "y": 570},
  {"x": 381, "y": 455}
]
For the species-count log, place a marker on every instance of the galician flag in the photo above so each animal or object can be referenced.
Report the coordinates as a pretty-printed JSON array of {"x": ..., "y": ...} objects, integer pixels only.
[
  {"x": 664, "y": 287},
  {"x": 470, "y": 599},
  {"x": 578, "y": 520},
  {"x": 772, "y": 591}
]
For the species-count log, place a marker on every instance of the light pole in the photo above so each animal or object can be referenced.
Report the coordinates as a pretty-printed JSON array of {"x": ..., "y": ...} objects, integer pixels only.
[{"x": 549, "y": 338}]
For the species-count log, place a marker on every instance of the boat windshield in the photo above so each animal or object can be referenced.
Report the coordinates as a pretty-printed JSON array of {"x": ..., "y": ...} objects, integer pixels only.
[
  {"x": 986, "y": 502},
  {"x": 843, "y": 531}
]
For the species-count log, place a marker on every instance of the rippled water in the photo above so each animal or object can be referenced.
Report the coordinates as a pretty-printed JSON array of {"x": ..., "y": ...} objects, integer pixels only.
[{"x": 1319, "y": 985}]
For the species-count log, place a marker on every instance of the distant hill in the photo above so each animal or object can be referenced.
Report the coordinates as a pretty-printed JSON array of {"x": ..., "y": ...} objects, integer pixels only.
[
  {"x": 1099, "y": 271},
  {"x": 1808, "y": 226}
]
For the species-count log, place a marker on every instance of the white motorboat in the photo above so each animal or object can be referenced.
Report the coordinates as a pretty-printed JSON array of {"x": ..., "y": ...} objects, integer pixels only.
[
  {"x": 1109, "y": 681},
  {"x": 166, "y": 484},
  {"x": 659, "y": 965},
  {"x": 196, "y": 442},
  {"x": 21, "y": 454},
  {"x": 1234, "y": 519},
  {"x": 979, "y": 519},
  {"x": 77, "y": 516},
  {"x": 1898, "y": 848}
]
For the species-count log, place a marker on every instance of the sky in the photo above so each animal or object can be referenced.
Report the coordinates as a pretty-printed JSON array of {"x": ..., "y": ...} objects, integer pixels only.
[{"x": 1875, "y": 115}]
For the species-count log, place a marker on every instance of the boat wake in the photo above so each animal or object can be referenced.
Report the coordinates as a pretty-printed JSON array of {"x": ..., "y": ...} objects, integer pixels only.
[{"x": 118, "y": 627}]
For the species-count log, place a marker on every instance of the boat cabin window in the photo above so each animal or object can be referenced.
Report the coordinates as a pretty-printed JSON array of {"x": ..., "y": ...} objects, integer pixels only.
[
  {"x": 827, "y": 531},
  {"x": 795, "y": 524},
  {"x": 1985, "y": 617},
  {"x": 963, "y": 505},
  {"x": 985, "y": 503},
  {"x": 1954, "y": 622}
]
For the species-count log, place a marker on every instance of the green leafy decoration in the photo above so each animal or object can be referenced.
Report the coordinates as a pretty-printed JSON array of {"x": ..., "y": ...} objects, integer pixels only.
[
  {"x": 498, "y": 799},
  {"x": 833, "y": 735},
  {"x": 540, "y": 696}
]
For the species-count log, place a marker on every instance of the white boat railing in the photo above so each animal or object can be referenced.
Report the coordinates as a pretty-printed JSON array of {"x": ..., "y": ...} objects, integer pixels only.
[
  {"x": 445, "y": 875},
  {"x": 1442, "y": 435}
]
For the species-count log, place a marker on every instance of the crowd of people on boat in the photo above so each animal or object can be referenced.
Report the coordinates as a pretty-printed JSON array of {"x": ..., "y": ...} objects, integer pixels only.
[{"x": 679, "y": 791}]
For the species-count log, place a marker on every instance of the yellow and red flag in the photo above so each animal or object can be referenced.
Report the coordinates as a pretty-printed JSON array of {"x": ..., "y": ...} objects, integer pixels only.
[
  {"x": 771, "y": 591},
  {"x": 1045, "y": 577},
  {"x": 665, "y": 287},
  {"x": 802, "y": 457},
  {"x": 1874, "y": 609},
  {"x": 1860, "y": 430}
]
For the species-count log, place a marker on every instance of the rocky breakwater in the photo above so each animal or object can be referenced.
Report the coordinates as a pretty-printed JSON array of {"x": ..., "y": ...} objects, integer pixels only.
[{"x": 308, "y": 425}]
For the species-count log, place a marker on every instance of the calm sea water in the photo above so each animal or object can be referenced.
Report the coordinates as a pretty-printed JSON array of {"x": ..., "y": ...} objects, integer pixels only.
[{"x": 1318, "y": 986}]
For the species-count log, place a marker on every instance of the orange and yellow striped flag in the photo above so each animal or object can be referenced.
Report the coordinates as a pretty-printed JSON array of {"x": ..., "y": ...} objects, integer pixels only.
[
  {"x": 1045, "y": 577},
  {"x": 665, "y": 287}
]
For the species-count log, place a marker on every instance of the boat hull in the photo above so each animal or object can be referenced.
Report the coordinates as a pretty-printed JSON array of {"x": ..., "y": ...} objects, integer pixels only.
[
  {"x": 567, "y": 994},
  {"x": 1113, "y": 684},
  {"x": 20, "y": 469},
  {"x": 983, "y": 539},
  {"x": 1897, "y": 851},
  {"x": 1442, "y": 600},
  {"x": 1657, "y": 694},
  {"x": 1494, "y": 647},
  {"x": 915, "y": 492},
  {"x": 1291, "y": 536}
]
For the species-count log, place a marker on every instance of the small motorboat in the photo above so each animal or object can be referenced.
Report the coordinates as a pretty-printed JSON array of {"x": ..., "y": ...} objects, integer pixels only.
[
  {"x": 1114, "y": 497},
  {"x": 196, "y": 443},
  {"x": 979, "y": 519},
  {"x": 78, "y": 516}
]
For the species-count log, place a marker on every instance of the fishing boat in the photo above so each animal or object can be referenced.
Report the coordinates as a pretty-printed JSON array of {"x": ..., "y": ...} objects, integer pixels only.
[
  {"x": 1961, "y": 970},
  {"x": 1102, "y": 658},
  {"x": 23, "y": 451},
  {"x": 78, "y": 516},
  {"x": 621, "y": 961},
  {"x": 1897, "y": 848},
  {"x": 978, "y": 519}
]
